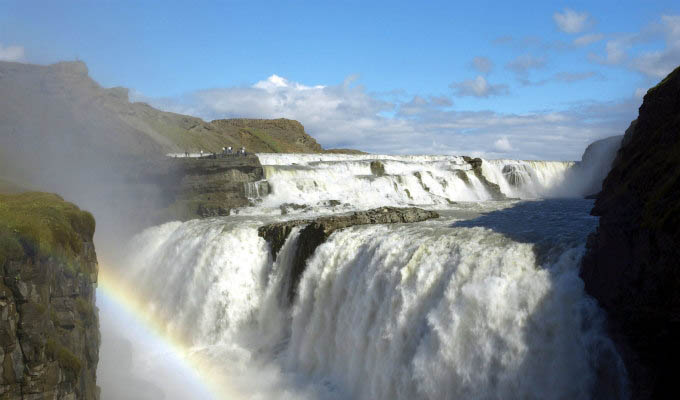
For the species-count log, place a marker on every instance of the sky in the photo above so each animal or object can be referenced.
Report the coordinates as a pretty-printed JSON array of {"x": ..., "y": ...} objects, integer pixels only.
[{"x": 527, "y": 80}]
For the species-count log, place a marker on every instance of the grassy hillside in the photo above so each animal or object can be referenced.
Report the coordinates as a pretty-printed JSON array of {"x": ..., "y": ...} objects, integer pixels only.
[
  {"x": 41, "y": 224},
  {"x": 59, "y": 106}
]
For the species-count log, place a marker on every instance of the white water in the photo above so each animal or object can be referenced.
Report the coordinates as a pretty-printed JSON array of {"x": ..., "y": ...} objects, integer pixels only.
[
  {"x": 483, "y": 303},
  {"x": 535, "y": 179},
  {"x": 452, "y": 308},
  {"x": 314, "y": 180}
]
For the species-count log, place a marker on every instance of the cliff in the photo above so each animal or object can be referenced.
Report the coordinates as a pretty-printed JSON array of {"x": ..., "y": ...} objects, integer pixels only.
[
  {"x": 200, "y": 187},
  {"x": 49, "y": 330},
  {"x": 61, "y": 132},
  {"x": 631, "y": 266},
  {"x": 269, "y": 135},
  {"x": 60, "y": 102}
]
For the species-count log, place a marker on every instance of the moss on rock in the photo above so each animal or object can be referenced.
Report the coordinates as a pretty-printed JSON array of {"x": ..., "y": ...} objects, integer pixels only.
[
  {"x": 41, "y": 225},
  {"x": 63, "y": 356}
]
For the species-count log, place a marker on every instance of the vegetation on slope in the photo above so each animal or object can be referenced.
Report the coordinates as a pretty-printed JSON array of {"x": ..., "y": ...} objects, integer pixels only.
[
  {"x": 63, "y": 100},
  {"x": 41, "y": 225}
]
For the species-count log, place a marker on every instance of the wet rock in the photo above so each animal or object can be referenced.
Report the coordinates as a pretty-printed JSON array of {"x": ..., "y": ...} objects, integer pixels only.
[
  {"x": 631, "y": 264},
  {"x": 206, "y": 210},
  {"x": 492, "y": 188},
  {"x": 315, "y": 232},
  {"x": 514, "y": 174},
  {"x": 462, "y": 176},
  {"x": 377, "y": 168},
  {"x": 288, "y": 207},
  {"x": 202, "y": 187}
]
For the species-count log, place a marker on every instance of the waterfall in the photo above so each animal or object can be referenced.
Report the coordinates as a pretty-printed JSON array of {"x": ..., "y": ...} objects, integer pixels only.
[
  {"x": 314, "y": 180},
  {"x": 527, "y": 179},
  {"x": 445, "y": 309},
  {"x": 256, "y": 190}
]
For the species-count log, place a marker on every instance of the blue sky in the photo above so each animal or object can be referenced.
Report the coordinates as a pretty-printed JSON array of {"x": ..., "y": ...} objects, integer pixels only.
[{"x": 528, "y": 80}]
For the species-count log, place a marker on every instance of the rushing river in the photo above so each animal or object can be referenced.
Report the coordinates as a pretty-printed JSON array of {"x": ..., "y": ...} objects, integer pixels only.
[{"x": 484, "y": 302}]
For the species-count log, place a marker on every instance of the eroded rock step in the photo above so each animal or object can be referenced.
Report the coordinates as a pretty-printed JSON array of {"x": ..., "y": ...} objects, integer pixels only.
[{"x": 318, "y": 230}]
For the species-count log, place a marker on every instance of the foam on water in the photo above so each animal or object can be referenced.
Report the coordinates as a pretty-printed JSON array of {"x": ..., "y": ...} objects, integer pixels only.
[
  {"x": 314, "y": 180},
  {"x": 460, "y": 307}
]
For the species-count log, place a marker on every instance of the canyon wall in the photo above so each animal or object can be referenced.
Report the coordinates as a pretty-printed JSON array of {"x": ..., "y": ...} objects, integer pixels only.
[
  {"x": 49, "y": 329},
  {"x": 632, "y": 264}
]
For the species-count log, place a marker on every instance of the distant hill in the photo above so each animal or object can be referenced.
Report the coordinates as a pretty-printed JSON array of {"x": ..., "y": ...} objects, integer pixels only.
[{"x": 60, "y": 106}]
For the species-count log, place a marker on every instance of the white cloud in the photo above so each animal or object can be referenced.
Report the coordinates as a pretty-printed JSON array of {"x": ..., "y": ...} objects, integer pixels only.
[
  {"x": 640, "y": 93},
  {"x": 658, "y": 64},
  {"x": 571, "y": 21},
  {"x": 585, "y": 40},
  {"x": 616, "y": 51},
  {"x": 478, "y": 87},
  {"x": 275, "y": 82},
  {"x": 346, "y": 115},
  {"x": 503, "y": 145},
  {"x": 11, "y": 53},
  {"x": 624, "y": 50},
  {"x": 570, "y": 77},
  {"x": 419, "y": 106},
  {"x": 482, "y": 64},
  {"x": 523, "y": 64}
]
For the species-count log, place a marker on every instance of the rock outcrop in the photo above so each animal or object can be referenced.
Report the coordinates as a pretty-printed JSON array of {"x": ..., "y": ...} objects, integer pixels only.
[
  {"x": 202, "y": 187},
  {"x": 377, "y": 168},
  {"x": 632, "y": 263},
  {"x": 49, "y": 329},
  {"x": 494, "y": 189},
  {"x": 318, "y": 230}
]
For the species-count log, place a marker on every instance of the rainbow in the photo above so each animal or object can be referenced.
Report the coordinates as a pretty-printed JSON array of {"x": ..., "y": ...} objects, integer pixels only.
[{"x": 118, "y": 291}]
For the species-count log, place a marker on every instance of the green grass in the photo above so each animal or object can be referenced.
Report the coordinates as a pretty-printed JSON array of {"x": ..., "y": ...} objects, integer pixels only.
[
  {"x": 86, "y": 311},
  {"x": 268, "y": 140},
  {"x": 668, "y": 77},
  {"x": 39, "y": 224},
  {"x": 63, "y": 356}
]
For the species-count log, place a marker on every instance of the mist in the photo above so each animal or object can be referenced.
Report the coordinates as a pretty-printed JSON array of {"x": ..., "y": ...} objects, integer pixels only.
[
  {"x": 60, "y": 133},
  {"x": 587, "y": 175}
]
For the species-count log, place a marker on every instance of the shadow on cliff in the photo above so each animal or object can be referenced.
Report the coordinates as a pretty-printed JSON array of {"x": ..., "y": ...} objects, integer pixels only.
[
  {"x": 551, "y": 225},
  {"x": 558, "y": 229}
]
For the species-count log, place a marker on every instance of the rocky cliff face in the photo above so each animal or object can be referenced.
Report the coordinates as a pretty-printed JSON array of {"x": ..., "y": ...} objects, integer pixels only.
[
  {"x": 632, "y": 266},
  {"x": 202, "y": 187},
  {"x": 49, "y": 330}
]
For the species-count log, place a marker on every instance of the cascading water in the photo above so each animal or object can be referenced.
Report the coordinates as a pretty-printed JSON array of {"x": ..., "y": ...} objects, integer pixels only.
[
  {"x": 313, "y": 181},
  {"x": 484, "y": 302},
  {"x": 527, "y": 179}
]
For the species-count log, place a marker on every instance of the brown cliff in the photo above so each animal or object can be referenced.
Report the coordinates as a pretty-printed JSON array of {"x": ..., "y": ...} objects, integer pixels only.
[{"x": 49, "y": 329}]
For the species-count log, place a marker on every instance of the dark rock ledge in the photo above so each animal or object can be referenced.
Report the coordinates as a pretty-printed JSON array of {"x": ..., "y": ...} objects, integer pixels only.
[
  {"x": 318, "y": 230},
  {"x": 494, "y": 189},
  {"x": 632, "y": 264}
]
